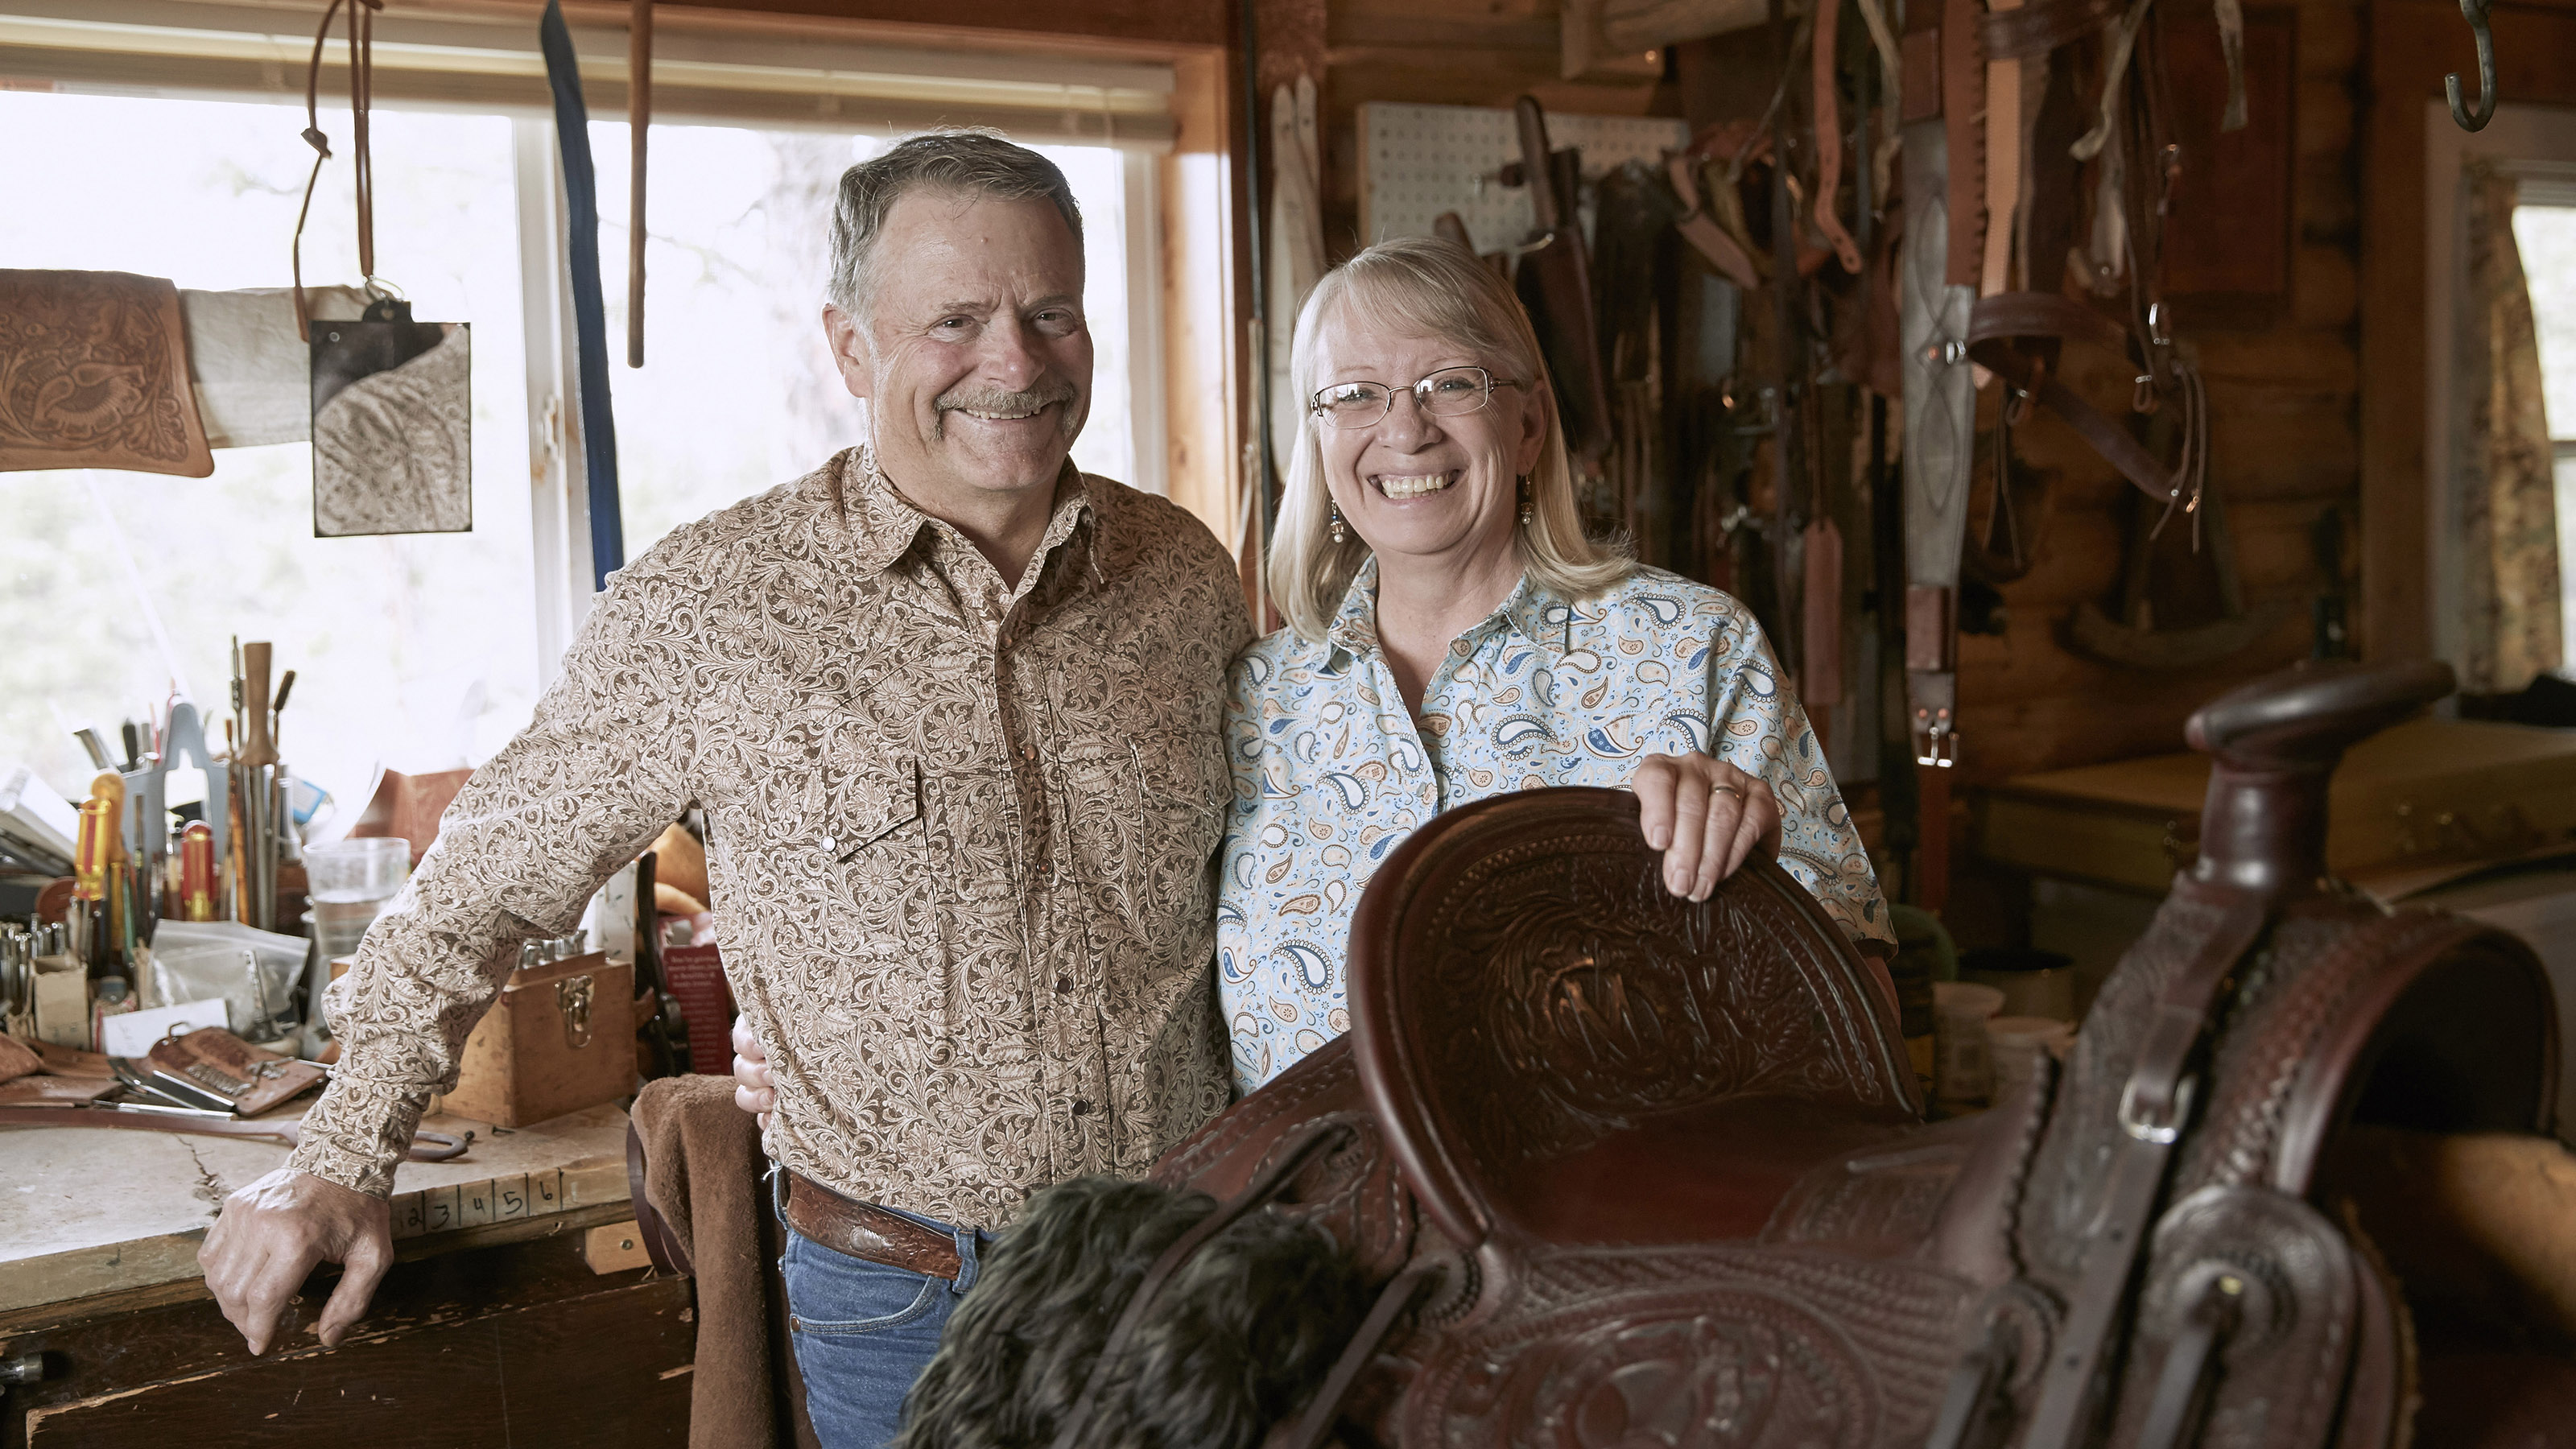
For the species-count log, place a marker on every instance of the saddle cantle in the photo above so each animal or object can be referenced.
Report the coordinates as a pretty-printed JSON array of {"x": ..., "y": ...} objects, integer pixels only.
[{"x": 1658, "y": 1172}]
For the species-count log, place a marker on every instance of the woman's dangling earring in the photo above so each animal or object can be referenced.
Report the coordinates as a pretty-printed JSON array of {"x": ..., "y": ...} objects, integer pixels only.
[
  {"x": 1529, "y": 512},
  {"x": 1334, "y": 510}
]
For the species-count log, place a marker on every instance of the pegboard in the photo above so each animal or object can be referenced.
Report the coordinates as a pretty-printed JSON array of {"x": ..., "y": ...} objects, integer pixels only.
[{"x": 1419, "y": 161}]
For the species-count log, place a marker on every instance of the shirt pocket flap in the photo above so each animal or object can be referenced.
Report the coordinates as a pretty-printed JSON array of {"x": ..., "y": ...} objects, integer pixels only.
[{"x": 873, "y": 805}]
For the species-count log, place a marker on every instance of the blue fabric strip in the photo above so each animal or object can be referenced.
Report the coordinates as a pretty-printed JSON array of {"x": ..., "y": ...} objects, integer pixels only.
[{"x": 589, "y": 315}]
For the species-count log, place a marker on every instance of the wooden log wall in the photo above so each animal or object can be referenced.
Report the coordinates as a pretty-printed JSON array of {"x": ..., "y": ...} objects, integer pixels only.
[
  {"x": 2285, "y": 446},
  {"x": 2283, "y": 375}
]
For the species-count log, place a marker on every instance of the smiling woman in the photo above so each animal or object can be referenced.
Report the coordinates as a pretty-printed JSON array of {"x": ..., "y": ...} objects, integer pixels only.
[{"x": 1430, "y": 553}]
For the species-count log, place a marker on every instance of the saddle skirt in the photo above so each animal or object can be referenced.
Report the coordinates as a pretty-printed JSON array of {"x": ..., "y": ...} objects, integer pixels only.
[{"x": 1662, "y": 1168}]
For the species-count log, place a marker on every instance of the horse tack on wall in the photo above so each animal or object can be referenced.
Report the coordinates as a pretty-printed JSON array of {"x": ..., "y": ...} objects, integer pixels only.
[{"x": 1663, "y": 1181}]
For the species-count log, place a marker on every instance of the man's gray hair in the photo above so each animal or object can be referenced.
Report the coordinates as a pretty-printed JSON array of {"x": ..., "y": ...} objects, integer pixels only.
[{"x": 963, "y": 162}]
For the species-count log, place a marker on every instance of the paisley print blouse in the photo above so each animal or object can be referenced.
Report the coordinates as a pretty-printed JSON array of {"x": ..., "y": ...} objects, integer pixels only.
[
  {"x": 1330, "y": 772},
  {"x": 961, "y": 838}
]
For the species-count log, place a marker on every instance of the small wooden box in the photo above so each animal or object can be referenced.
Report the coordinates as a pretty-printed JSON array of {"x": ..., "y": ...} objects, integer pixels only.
[{"x": 561, "y": 1038}]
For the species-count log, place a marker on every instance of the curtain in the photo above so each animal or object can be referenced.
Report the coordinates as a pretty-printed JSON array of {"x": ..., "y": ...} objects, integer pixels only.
[{"x": 2502, "y": 461}]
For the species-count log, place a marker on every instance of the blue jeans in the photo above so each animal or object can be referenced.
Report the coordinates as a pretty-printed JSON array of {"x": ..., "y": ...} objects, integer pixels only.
[{"x": 863, "y": 1331}]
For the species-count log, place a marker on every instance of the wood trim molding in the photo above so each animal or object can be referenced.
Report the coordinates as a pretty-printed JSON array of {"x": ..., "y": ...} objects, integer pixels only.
[{"x": 2412, "y": 44}]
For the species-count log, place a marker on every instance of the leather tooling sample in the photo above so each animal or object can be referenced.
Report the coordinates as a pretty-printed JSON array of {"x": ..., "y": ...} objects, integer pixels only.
[{"x": 94, "y": 374}]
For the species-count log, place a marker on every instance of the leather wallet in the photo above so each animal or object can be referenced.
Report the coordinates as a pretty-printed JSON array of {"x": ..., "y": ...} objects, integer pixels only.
[{"x": 215, "y": 1062}]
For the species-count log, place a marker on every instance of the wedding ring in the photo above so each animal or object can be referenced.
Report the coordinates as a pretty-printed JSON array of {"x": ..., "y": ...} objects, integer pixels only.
[{"x": 1723, "y": 788}]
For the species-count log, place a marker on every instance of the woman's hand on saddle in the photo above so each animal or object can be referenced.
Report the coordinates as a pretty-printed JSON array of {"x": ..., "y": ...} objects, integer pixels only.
[
  {"x": 752, "y": 1091},
  {"x": 1705, "y": 815}
]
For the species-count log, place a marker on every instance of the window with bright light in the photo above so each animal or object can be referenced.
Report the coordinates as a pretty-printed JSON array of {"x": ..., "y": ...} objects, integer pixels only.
[
  {"x": 423, "y": 652},
  {"x": 118, "y": 588},
  {"x": 2546, "y": 235}
]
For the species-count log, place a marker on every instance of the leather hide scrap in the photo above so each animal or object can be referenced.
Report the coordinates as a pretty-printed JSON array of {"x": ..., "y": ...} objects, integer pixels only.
[{"x": 94, "y": 374}]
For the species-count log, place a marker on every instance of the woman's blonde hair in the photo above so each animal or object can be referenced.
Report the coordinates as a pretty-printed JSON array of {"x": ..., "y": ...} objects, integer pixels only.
[{"x": 1430, "y": 288}]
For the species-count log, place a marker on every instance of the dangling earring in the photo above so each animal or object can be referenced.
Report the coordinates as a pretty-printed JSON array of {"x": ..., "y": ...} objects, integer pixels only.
[
  {"x": 1334, "y": 510},
  {"x": 1529, "y": 512}
]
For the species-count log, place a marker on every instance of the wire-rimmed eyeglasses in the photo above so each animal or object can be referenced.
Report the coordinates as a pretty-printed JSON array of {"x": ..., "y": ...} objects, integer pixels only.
[{"x": 1450, "y": 392}]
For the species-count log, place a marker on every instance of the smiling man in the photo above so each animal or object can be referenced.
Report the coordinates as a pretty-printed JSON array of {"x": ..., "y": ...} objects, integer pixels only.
[{"x": 952, "y": 709}]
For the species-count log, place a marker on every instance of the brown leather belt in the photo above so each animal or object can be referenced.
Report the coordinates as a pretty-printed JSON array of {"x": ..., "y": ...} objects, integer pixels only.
[{"x": 864, "y": 1230}]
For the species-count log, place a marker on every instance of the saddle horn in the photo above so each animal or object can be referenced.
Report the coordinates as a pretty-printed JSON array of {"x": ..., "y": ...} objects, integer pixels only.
[{"x": 2273, "y": 745}]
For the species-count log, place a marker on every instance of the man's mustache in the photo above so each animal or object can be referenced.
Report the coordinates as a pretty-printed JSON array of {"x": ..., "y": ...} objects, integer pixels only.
[{"x": 1018, "y": 402}]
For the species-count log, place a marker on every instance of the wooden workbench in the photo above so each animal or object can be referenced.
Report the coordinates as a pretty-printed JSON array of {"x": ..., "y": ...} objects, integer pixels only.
[{"x": 492, "y": 1327}]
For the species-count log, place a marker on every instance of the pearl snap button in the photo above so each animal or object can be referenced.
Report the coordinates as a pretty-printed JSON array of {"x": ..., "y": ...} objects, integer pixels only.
[{"x": 830, "y": 844}]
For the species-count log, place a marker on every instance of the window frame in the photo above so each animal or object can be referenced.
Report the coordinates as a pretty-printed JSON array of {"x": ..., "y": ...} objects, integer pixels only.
[{"x": 1174, "y": 235}]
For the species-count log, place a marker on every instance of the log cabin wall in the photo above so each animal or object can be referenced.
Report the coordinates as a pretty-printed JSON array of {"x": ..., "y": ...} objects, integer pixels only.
[
  {"x": 2283, "y": 371},
  {"x": 2283, "y": 374}
]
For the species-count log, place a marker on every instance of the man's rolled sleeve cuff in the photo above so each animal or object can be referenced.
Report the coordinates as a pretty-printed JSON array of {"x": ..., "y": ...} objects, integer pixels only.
[{"x": 358, "y": 1133}]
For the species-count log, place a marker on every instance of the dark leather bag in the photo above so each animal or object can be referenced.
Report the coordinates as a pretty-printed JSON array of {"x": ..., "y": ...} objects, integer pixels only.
[{"x": 1647, "y": 1172}]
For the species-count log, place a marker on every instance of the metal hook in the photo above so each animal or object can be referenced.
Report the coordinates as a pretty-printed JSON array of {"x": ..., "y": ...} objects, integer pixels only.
[{"x": 2475, "y": 12}]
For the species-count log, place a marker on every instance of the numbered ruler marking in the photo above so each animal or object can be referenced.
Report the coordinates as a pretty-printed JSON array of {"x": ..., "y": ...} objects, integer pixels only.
[{"x": 479, "y": 1204}]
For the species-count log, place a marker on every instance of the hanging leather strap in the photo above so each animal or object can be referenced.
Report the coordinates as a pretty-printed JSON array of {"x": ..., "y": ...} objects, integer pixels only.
[
  {"x": 639, "y": 123},
  {"x": 1701, "y": 230},
  {"x": 2038, "y": 29},
  {"x": 1314, "y": 1425},
  {"x": 1829, "y": 137},
  {"x": 589, "y": 311},
  {"x": 362, "y": 52},
  {"x": 2154, "y": 1111},
  {"x": 1998, "y": 323},
  {"x": 2003, "y": 165},
  {"x": 1940, "y": 417},
  {"x": 1963, "y": 105},
  {"x": 2231, "y": 43}
]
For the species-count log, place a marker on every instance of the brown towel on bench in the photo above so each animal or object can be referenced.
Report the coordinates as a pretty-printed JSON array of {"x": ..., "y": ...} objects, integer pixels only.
[{"x": 702, "y": 1172}]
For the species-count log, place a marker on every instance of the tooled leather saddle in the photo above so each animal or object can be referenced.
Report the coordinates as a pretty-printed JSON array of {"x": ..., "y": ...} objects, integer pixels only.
[{"x": 1643, "y": 1172}]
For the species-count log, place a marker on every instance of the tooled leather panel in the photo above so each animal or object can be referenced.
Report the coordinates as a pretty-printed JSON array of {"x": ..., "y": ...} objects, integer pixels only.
[
  {"x": 2303, "y": 988},
  {"x": 2066, "y": 1180},
  {"x": 1745, "y": 1348},
  {"x": 1352, "y": 1191},
  {"x": 1608, "y": 1000},
  {"x": 2284, "y": 1371}
]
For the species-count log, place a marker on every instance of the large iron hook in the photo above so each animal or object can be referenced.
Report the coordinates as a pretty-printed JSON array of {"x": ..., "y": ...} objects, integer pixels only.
[{"x": 2475, "y": 11}]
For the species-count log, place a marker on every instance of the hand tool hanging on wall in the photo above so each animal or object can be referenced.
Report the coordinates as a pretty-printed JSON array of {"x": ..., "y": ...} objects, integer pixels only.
[
  {"x": 590, "y": 321},
  {"x": 1296, "y": 244},
  {"x": 1257, "y": 492},
  {"x": 1792, "y": 494},
  {"x": 362, "y": 44},
  {"x": 1633, "y": 214},
  {"x": 639, "y": 123},
  {"x": 1555, "y": 284}
]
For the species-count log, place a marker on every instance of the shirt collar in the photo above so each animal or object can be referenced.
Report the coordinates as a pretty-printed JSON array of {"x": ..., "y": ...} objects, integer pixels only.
[
  {"x": 883, "y": 525},
  {"x": 1532, "y": 609}
]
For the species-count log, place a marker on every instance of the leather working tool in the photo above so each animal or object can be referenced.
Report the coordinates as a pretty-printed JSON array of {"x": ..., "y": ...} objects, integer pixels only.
[
  {"x": 1555, "y": 282},
  {"x": 864, "y": 1230},
  {"x": 427, "y": 1146},
  {"x": 1670, "y": 1153}
]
